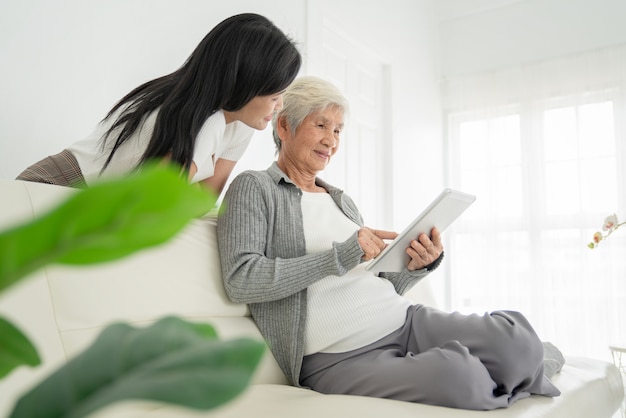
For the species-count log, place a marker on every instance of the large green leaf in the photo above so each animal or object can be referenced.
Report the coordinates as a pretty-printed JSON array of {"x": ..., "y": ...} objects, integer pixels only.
[
  {"x": 105, "y": 222},
  {"x": 171, "y": 361},
  {"x": 15, "y": 349}
]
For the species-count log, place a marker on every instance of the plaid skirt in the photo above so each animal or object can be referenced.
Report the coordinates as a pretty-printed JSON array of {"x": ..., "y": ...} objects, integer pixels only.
[{"x": 61, "y": 169}]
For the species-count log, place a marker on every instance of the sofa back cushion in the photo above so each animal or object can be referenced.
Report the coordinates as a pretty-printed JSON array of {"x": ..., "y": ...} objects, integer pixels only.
[{"x": 181, "y": 277}]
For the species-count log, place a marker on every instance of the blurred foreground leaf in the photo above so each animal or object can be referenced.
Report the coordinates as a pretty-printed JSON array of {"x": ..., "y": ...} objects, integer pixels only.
[
  {"x": 15, "y": 349},
  {"x": 171, "y": 361},
  {"x": 105, "y": 222}
]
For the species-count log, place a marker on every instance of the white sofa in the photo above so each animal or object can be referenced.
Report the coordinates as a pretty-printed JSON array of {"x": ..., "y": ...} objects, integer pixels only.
[{"x": 62, "y": 309}]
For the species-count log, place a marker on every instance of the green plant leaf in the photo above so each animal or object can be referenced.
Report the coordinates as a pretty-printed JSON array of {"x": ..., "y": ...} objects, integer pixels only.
[
  {"x": 171, "y": 361},
  {"x": 105, "y": 222},
  {"x": 15, "y": 349}
]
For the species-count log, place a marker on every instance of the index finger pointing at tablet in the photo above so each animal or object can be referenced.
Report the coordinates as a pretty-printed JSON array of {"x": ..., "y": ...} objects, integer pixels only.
[{"x": 385, "y": 234}]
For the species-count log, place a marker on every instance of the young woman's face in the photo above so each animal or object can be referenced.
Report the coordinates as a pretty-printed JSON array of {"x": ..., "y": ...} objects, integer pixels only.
[{"x": 258, "y": 112}]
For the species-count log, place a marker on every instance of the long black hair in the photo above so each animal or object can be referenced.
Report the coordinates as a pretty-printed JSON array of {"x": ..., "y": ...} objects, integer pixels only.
[{"x": 242, "y": 57}]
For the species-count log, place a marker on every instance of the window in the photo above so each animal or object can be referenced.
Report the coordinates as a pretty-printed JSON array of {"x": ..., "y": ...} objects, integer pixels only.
[{"x": 546, "y": 174}]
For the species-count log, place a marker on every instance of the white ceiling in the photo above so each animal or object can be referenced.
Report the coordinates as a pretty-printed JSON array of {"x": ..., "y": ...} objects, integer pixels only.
[{"x": 452, "y": 9}]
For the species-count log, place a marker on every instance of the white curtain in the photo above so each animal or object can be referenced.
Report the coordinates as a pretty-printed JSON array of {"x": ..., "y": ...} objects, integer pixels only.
[{"x": 543, "y": 147}]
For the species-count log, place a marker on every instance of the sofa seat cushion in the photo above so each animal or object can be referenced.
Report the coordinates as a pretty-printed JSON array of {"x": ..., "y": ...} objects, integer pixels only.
[{"x": 591, "y": 388}]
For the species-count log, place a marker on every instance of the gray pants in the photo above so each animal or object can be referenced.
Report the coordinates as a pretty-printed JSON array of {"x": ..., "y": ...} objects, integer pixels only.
[{"x": 449, "y": 359}]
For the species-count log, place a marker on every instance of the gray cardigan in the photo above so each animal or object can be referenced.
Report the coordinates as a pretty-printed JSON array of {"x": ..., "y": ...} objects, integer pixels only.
[{"x": 262, "y": 253}]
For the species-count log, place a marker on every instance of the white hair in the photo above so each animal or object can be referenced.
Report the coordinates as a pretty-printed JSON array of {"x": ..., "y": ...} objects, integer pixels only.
[{"x": 307, "y": 95}]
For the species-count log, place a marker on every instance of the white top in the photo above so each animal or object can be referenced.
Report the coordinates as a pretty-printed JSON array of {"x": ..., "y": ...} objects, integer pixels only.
[
  {"x": 367, "y": 305},
  {"x": 216, "y": 139}
]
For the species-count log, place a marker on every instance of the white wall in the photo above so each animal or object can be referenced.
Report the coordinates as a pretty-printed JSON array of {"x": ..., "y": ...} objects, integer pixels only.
[
  {"x": 417, "y": 116},
  {"x": 404, "y": 32},
  {"x": 402, "y": 35},
  {"x": 529, "y": 31}
]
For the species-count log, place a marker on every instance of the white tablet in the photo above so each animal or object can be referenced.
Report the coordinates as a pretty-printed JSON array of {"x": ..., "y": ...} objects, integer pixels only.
[{"x": 440, "y": 213}]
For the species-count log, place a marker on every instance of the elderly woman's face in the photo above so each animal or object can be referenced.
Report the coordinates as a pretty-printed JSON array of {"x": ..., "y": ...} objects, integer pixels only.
[{"x": 315, "y": 140}]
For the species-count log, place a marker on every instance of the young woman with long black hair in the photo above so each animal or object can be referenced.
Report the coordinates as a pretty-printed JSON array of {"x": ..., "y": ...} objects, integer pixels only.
[{"x": 201, "y": 116}]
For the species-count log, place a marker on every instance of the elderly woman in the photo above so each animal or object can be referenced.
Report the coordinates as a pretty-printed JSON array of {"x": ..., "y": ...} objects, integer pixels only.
[{"x": 293, "y": 247}]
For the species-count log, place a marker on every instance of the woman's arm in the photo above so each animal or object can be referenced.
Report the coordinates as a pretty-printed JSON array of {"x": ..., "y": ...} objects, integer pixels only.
[
  {"x": 220, "y": 176},
  {"x": 261, "y": 244},
  {"x": 405, "y": 280}
]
